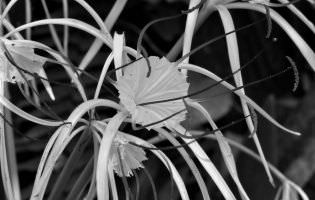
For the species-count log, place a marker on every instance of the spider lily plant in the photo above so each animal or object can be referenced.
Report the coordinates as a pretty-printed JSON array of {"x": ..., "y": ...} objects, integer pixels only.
[{"x": 152, "y": 96}]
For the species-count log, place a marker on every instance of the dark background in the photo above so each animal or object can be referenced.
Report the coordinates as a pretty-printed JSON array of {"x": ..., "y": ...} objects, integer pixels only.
[{"x": 296, "y": 110}]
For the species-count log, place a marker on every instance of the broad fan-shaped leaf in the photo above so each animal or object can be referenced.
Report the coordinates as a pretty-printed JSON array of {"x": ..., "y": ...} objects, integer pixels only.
[{"x": 164, "y": 82}]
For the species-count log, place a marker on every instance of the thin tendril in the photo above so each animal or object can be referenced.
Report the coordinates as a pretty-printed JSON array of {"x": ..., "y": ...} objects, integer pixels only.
[
  {"x": 159, "y": 121},
  {"x": 110, "y": 72},
  {"x": 225, "y": 78},
  {"x": 139, "y": 42},
  {"x": 145, "y": 53},
  {"x": 254, "y": 82},
  {"x": 141, "y": 35},
  {"x": 199, "y": 5}
]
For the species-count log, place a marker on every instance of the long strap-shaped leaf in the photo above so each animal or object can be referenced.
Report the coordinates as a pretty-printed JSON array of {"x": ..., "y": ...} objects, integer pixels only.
[
  {"x": 303, "y": 47},
  {"x": 195, "y": 171},
  {"x": 101, "y": 78},
  {"x": 234, "y": 58},
  {"x": 190, "y": 29},
  {"x": 8, "y": 186},
  {"x": 207, "y": 164},
  {"x": 225, "y": 149}
]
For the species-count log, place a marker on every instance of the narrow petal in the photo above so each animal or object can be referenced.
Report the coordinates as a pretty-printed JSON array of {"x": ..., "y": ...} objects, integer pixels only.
[
  {"x": 103, "y": 156},
  {"x": 232, "y": 46}
]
